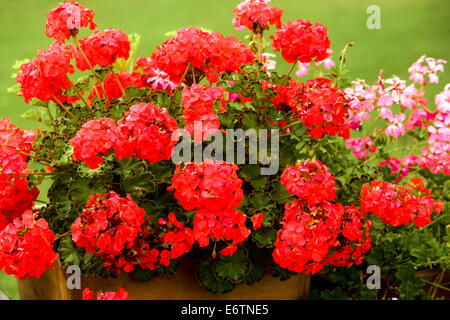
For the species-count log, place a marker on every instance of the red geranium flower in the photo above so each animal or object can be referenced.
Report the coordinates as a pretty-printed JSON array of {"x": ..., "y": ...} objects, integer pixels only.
[
  {"x": 26, "y": 246},
  {"x": 15, "y": 144},
  {"x": 146, "y": 131},
  {"x": 102, "y": 49},
  {"x": 310, "y": 181},
  {"x": 63, "y": 20},
  {"x": 15, "y": 198},
  {"x": 46, "y": 75},
  {"x": 256, "y": 12},
  {"x": 302, "y": 41},
  {"x": 198, "y": 103},
  {"x": 95, "y": 137},
  {"x": 210, "y": 185},
  {"x": 109, "y": 295}
]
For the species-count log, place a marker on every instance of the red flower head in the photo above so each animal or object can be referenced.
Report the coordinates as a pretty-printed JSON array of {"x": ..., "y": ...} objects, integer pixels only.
[
  {"x": 146, "y": 131},
  {"x": 210, "y": 185},
  {"x": 102, "y": 49},
  {"x": 15, "y": 198},
  {"x": 310, "y": 181},
  {"x": 226, "y": 224},
  {"x": 198, "y": 105},
  {"x": 179, "y": 238},
  {"x": 15, "y": 144},
  {"x": 397, "y": 205},
  {"x": 255, "y": 14},
  {"x": 67, "y": 18},
  {"x": 257, "y": 220},
  {"x": 308, "y": 234},
  {"x": 26, "y": 246},
  {"x": 227, "y": 54},
  {"x": 206, "y": 52},
  {"x": 95, "y": 137},
  {"x": 108, "y": 227},
  {"x": 354, "y": 240},
  {"x": 302, "y": 41},
  {"x": 322, "y": 108},
  {"x": 109, "y": 295},
  {"x": 46, "y": 75}
]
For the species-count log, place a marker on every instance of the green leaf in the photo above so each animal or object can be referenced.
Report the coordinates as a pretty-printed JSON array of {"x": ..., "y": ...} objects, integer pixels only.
[
  {"x": 265, "y": 237},
  {"x": 143, "y": 275},
  {"x": 208, "y": 280},
  {"x": 83, "y": 188},
  {"x": 256, "y": 273},
  {"x": 260, "y": 200},
  {"x": 69, "y": 253},
  {"x": 250, "y": 121},
  {"x": 38, "y": 114},
  {"x": 233, "y": 268}
]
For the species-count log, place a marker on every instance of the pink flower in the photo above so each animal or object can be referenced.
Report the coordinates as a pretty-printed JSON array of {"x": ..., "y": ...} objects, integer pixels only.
[
  {"x": 396, "y": 127},
  {"x": 302, "y": 69},
  {"x": 411, "y": 97},
  {"x": 443, "y": 100},
  {"x": 269, "y": 64},
  {"x": 328, "y": 62},
  {"x": 361, "y": 147},
  {"x": 160, "y": 81},
  {"x": 419, "y": 72}
]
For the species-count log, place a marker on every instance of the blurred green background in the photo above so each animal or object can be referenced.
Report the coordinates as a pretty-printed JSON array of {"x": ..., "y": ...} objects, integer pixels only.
[{"x": 409, "y": 29}]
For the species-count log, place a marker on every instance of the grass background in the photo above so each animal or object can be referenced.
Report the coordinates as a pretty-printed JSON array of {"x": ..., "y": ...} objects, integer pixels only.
[{"x": 409, "y": 29}]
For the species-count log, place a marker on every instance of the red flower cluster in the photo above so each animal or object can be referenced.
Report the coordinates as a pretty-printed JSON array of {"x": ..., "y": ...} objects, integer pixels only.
[
  {"x": 309, "y": 181},
  {"x": 205, "y": 51},
  {"x": 46, "y": 75},
  {"x": 68, "y": 18},
  {"x": 146, "y": 131},
  {"x": 102, "y": 49},
  {"x": 198, "y": 114},
  {"x": 322, "y": 107},
  {"x": 225, "y": 224},
  {"x": 210, "y": 185},
  {"x": 397, "y": 205},
  {"x": 307, "y": 235},
  {"x": 108, "y": 227},
  {"x": 95, "y": 137},
  {"x": 112, "y": 87},
  {"x": 353, "y": 241},
  {"x": 302, "y": 41},
  {"x": 214, "y": 190},
  {"x": 120, "y": 295},
  {"x": 15, "y": 144},
  {"x": 26, "y": 246},
  {"x": 179, "y": 238},
  {"x": 256, "y": 13},
  {"x": 15, "y": 198},
  {"x": 317, "y": 232}
]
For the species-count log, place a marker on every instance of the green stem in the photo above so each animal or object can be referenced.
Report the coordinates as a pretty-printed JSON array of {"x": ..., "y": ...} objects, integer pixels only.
[
  {"x": 77, "y": 44},
  {"x": 65, "y": 109},
  {"x": 179, "y": 85},
  {"x": 80, "y": 95},
  {"x": 287, "y": 75},
  {"x": 436, "y": 285}
]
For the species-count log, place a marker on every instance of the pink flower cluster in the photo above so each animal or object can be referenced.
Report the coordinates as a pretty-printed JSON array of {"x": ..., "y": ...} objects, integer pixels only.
[
  {"x": 426, "y": 73},
  {"x": 361, "y": 147}
]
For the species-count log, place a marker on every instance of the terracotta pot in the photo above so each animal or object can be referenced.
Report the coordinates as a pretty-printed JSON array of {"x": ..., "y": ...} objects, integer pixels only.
[{"x": 181, "y": 286}]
